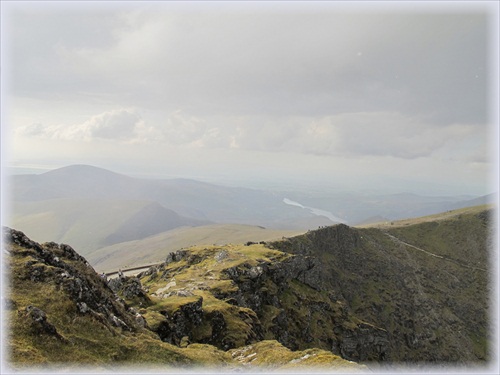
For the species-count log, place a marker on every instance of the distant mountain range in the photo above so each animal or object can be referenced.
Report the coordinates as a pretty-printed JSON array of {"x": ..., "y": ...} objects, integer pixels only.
[{"x": 93, "y": 208}]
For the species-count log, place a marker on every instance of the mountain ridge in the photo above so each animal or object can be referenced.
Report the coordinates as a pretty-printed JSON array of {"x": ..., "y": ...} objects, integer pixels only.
[{"x": 207, "y": 201}]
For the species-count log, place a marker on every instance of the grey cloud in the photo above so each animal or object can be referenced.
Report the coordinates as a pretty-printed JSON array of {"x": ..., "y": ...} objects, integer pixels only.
[
  {"x": 254, "y": 62},
  {"x": 344, "y": 135},
  {"x": 183, "y": 129},
  {"x": 336, "y": 91}
]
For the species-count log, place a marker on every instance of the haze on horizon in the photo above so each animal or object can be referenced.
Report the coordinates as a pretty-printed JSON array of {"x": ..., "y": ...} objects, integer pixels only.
[{"x": 389, "y": 96}]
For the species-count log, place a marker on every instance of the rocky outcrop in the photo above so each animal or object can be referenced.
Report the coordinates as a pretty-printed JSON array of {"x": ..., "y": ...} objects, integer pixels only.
[
  {"x": 179, "y": 325},
  {"x": 288, "y": 295},
  {"x": 365, "y": 343},
  {"x": 37, "y": 320},
  {"x": 62, "y": 265},
  {"x": 282, "y": 298},
  {"x": 130, "y": 289}
]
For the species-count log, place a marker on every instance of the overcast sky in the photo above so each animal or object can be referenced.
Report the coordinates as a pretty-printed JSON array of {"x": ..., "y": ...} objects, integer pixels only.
[{"x": 388, "y": 96}]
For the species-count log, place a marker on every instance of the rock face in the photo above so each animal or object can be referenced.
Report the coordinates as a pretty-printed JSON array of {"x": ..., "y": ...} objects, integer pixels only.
[
  {"x": 180, "y": 325},
  {"x": 62, "y": 265},
  {"x": 40, "y": 324},
  {"x": 290, "y": 297}
]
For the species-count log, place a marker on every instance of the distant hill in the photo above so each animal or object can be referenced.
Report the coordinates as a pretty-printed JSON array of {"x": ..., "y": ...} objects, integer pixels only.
[
  {"x": 358, "y": 208},
  {"x": 76, "y": 181},
  {"x": 155, "y": 248},
  {"x": 188, "y": 198},
  {"x": 93, "y": 223},
  {"x": 485, "y": 199}
]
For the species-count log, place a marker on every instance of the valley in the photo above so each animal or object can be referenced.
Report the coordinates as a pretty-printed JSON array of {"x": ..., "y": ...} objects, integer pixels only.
[{"x": 102, "y": 213}]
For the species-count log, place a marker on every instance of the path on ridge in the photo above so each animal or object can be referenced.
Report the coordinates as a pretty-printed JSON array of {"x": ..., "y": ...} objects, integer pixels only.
[{"x": 395, "y": 239}]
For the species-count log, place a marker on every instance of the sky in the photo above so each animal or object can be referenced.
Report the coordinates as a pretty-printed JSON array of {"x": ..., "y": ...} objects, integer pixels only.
[{"x": 396, "y": 96}]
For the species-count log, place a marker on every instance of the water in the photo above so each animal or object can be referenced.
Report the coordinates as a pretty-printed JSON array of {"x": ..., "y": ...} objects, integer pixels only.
[{"x": 315, "y": 211}]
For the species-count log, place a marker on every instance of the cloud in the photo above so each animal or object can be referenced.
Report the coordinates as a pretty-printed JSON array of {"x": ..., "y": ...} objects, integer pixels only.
[
  {"x": 347, "y": 135},
  {"x": 350, "y": 135},
  {"x": 121, "y": 125},
  {"x": 183, "y": 129},
  {"x": 251, "y": 61}
]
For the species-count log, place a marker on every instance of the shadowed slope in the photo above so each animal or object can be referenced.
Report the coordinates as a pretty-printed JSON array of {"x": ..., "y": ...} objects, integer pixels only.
[{"x": 428, "y": 283}]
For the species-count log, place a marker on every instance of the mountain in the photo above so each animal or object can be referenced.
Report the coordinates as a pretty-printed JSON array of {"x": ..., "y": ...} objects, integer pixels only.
[
  {"x": 403, "y": 293},
  {"x": 151, "y": 219},
  {"x": 75, "y": 181},
  {"x": 188, "y": 198},
  {"x": 63, "y": 316},
  {"x": 486, "y": 199},
  {"x": 222, "y": 204},
  {"x": 357, "y": 208}
]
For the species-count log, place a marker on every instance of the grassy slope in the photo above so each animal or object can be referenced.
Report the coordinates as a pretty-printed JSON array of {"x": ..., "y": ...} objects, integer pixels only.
[
  {"x": 451, "y": 214},
  {"x": 85, "y": 339},
  {"x": 205, "y": 279},
  {"x": 73, "y": 221},
  {"x": 277, "y": 307}
]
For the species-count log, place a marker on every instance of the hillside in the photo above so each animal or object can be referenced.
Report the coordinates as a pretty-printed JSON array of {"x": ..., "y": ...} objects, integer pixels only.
[
  {"x": 408, "y": 293},
  {"x": 62, "y": 316},
  {"x": 74, "y": 221},
  {"x": 62, "y": 205},
  {"x": 155, "y": 248},
  {"x": 426, "y": 281}
]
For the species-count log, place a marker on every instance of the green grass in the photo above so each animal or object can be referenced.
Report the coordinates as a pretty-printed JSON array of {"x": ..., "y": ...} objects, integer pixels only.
[{"x": 271, "y": 355}]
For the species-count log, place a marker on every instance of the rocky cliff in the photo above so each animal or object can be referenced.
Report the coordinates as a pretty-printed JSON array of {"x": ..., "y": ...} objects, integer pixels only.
[{"x": 237, "y": 295}]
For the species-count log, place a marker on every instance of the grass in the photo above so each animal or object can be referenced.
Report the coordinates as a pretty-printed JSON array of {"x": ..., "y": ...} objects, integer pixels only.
[
  {"x": 378, "y": 277},
  {"x": 85, "y": 340},
  {"x": 452, "y": 214},
  {"x": 270, "y": 354}
]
